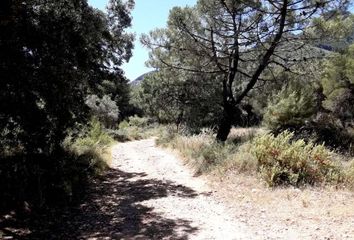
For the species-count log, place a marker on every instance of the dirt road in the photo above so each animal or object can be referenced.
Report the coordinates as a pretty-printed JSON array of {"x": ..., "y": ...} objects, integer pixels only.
[{"x": 167, "y": 201}]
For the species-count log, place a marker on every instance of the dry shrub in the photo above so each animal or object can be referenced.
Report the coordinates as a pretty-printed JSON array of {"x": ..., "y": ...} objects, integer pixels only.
[
  {"x": 205, "y": 154},
  {"x": 283, "y": 161}
]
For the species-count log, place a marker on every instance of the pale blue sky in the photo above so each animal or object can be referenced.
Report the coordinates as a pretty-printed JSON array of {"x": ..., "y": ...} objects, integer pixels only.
[{"x": 147, "y": 15}]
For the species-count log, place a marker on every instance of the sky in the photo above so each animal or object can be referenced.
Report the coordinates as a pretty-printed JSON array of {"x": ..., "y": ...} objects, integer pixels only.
[{"x": 147, "y": 15}]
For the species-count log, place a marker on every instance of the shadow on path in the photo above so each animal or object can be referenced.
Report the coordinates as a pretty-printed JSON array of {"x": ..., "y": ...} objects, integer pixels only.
[{"x": 112, "y": 210}]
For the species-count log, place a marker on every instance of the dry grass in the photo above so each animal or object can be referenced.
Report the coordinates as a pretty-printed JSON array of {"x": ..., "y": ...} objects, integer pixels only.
[
  {"x": 105, "y": 153},
  {"x": 207, "y": 155}
]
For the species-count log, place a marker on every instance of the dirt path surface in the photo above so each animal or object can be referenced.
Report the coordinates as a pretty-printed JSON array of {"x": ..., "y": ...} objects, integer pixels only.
[
  {"x": 169, "y": 202},
  {"x": 146, "y": 194}
]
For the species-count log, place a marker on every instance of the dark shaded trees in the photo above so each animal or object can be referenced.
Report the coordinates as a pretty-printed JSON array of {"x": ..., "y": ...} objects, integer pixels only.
[
  {"x": 53, "y": 53},
  {"x": 239, "y": 40},
  {"x": 338, "y": 86},
  {"x": 173, "y": 96}
]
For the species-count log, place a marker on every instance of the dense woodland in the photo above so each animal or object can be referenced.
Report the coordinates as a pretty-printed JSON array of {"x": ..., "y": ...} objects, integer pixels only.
[
  {"x": 286, "y": 66},
  {"x": 56, "y": 56}
]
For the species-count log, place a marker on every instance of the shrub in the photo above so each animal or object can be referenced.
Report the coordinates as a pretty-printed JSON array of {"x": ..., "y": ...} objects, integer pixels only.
[
  {"x": 47, "y": 180},
  {"x": 293, "y": 105},
  {"x": 205, "y": 154},
  {"x": 201, "y": 151},
  {"x": 135, "y": 128},
  {"x": 241, "y": 160},
  {"x": 123, "y": 124},
  {"x": 94, "y": 135},
  {"x": 136, "y": 121},
  {"x": 103, "y": 108},
  {"x": 282, "y": 161}
]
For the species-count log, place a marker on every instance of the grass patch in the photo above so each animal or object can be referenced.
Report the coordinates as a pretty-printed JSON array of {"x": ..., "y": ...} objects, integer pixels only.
[
  {"x": 205, "y": 154},
  {"x": 93, "y": 145},
  {"x": 137, "y": 128},
  {"x": 349, "y": 174}
]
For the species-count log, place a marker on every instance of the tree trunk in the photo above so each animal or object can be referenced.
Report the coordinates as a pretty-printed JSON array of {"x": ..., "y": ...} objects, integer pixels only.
[
  {"x": 232, "y": 116},
  {"x": 224, "y": 128}
]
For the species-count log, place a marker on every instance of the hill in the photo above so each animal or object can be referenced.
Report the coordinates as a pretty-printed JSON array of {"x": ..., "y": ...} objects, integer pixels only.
[{"x": 139, "y": 79}]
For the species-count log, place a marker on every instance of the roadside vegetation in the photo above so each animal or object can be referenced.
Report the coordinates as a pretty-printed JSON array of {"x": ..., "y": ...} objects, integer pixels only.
[{"x": 276, "y": 160}]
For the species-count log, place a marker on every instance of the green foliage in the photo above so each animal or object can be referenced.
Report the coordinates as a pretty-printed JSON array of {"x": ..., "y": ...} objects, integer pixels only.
[
  {"x": 53, "y": 55},
  {"x": 279, "y": 160},
  {"x": 338, "y": 88},
  {"x": 292, "y": 106},
  {"x": 105, "y": 109},
  {"x": 135, "y": 128},
  {"x": 334, "y": 34},
  {"x": 123, "y": 124},
  {"x": 174, "y": 97},
  {"x": 55, "y": 180},
  {"x": 283, "y": 161},
  {"x": 204, "y": 48},
  {"x": 138, "y": 121},
  {"x": 338, "y": 85},
  {"x": 62, "y": 48},
  {"x": 92, "y": 136}
]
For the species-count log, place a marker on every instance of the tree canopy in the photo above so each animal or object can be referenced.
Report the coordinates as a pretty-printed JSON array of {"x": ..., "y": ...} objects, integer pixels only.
[
  {"x": 238, "y": 40},
  {"x": 53, "y": 53}
]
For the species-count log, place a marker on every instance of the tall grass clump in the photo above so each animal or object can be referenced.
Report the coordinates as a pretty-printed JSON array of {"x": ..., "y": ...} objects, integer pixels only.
[
  {"x": 136, "y": 128},
  {"x": 201, "y": 151},
  {"x": 92, "y": 136},
  {"x": 92, "y": 146},
  {"x": 283, "y": 161},
  {"x": 205, "y": 154},
  {"x": 349, "y": 174}
]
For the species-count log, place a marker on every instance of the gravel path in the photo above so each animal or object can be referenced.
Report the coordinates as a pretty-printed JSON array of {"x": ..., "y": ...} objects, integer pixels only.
[{"x": 187, "y": 199}]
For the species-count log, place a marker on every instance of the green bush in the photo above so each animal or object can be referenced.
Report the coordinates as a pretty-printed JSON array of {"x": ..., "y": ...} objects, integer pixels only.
[
  {"x": 57, "y": 179},
  {"x": 123, "y": 124},
  {"x": 138, "y": 121},
  {"x": 292, "y": 106},
  {"x": 94, "y": 135},
  {"x": 282, "y": 161},
  {"x": 136, "y": 128}
]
